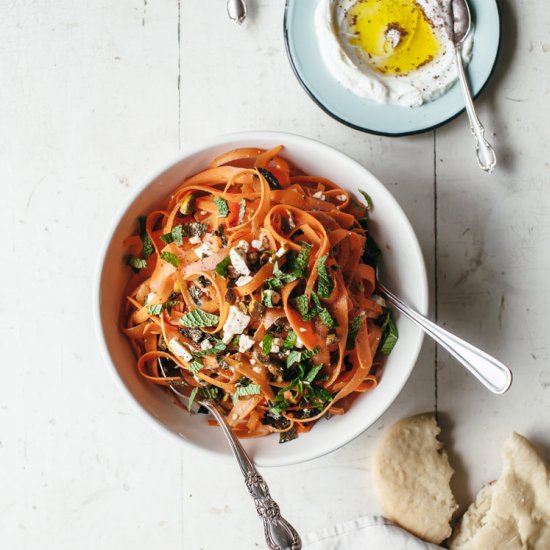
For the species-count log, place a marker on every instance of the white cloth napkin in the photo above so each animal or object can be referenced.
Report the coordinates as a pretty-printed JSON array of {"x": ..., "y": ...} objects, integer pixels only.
[{"x": 367, "y": 533}]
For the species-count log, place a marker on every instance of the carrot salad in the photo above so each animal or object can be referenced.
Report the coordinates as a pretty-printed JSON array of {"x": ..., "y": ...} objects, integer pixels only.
[{"x": 254, "y": 285}]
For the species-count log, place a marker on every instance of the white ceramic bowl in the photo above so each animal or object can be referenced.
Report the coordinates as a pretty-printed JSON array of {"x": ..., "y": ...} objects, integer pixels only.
[{"x": 403, "y": 269}]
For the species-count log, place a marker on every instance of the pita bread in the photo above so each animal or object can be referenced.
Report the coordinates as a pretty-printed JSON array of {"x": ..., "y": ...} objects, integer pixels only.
[
  {"x": 513, "y": 513},
  {"x": 411, "y": 476}
]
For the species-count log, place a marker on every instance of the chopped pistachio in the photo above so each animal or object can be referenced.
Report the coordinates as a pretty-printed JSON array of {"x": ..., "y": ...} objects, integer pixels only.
[{"x": 187, "y": 205}]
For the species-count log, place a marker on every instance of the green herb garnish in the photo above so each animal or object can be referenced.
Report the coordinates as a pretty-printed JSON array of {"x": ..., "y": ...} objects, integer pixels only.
[
  {"x": 290, "y": 340},
  {"x": 353, "y": 331},
  {"x": 267, "y": 342},
  {"x": 136, "y": 263},
  {"x": 154, "y": 309},
  {"x": 195, "y": 366},
  {"x": 218, "y": 347},
  {"x": 197, "y": 318},
  {"x": 367, "y": 198},
  {"x": 389, "y": 334},
  {"x": 147, "y": 243},
  {"x": 170, "y": 258},
  {"x": 175, "y": 236},
  {"x": 325, "y": 284},
  {"x": 192, "y": 397},
  {"x": 222, "y": 268},
  {"x": 250, "y": 389},
  {"x": 221, "y": 205}
]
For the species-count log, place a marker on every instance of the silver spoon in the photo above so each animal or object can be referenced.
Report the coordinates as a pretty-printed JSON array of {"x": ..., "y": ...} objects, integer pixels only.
[
  {"x": 462, "y": 25},
  {"x": 279, "y": 534},
  {"x": 491, "y": 373},
  {"x": 236, "y": 10}
]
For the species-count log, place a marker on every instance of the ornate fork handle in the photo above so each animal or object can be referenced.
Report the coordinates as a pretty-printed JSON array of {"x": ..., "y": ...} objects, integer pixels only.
[{"x": 279, "y": 534}]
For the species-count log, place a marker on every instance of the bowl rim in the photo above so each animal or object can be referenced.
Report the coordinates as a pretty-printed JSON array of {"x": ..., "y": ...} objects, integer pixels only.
[{"x": 280, "y": 137}]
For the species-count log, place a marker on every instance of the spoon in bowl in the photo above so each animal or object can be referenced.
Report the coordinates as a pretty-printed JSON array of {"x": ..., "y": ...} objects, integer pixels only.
[
  {"x": 491, "y": 373},
  {"x": 279, "y": 534},
  {"x": 462, "y": 25}
]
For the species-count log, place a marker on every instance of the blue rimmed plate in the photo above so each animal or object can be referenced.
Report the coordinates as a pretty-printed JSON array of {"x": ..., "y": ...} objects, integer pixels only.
[{"x": 369, "y": 116}]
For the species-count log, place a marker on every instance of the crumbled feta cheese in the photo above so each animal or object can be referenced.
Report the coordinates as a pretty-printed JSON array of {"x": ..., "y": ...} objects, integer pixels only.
[
  {"x": 243, "y": 245},
  {"x": 281, "y": 252},
  {"x": 245, "y": 343},
  {"x": 379, "y": 300},
  {"x": 238, "y": 260},
  {"x": 204, "y": 250},
  {"x": 235, "y": 323},
  {"x": 179, "y": 350},
  {"x": 195, "y": 239},
  {"x": 299, "y": 344},
  {"x": 257, "y": 369},
  {"x": 319, "y": 195},
  {"x": 262, "y": 243},
  {"x": 253, "y": 361},
  {"x": 276, "y": 345},
  {"x": 243, "y": 280},
  {"x": 302, "y": 329},
  {"x": 206, "y": 344},
  {"x": 341, "y": 197}
]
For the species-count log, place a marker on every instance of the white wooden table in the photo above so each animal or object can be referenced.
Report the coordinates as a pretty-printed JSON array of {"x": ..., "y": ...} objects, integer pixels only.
[{"x": 95, "y": 95}]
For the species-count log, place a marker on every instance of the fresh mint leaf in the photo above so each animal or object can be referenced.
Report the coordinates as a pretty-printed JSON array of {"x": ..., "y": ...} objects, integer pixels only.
[
  {"x": 367, "y": 198},
  {"x": 267, "y": 342},
  {"x": 136, "y": 263},
  {"x": 223, "y": 267},
  {"x": 389, "y": 335},
  {"x": 195, "y": 366},
  {"x": 154, "y": 309},
  {"x": 210, "y": 392},
  {"x": 192, "y": 396},
  {"x": 353, "y": 331},
  {"x": 323, "y": 395},
  {"x": 218, "y": 347},
  {"x": 293, "y": 357},
  {"x": 279, "y": 407},
  {"x": 302, "y": 305},
  {"x": 170, "y": 258},
  {"x": 147, "y": 243},
  {"x": 221, "y": 205},
  {"x": 325, "y": 284},
  {"x": 326, "y": 318},
  {"x": 323, "y": 313},
  {"x": 313, "y": 372},
  {"x": 290, "y": 340},
  {"x": 251, "y": 389},
  {"x": 174, "y": 236},
  {"x": 197, "y": 318},
  {"x": 302, "y": 261}
]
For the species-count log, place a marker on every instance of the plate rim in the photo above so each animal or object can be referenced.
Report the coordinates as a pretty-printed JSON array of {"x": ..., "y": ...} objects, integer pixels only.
[{"x": 377, "y": 132}]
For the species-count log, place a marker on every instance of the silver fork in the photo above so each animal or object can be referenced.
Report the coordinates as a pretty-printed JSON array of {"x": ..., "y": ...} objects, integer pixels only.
[
  {"x": 279, "y": 533},
  {"x": 489, "y": 371}
]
